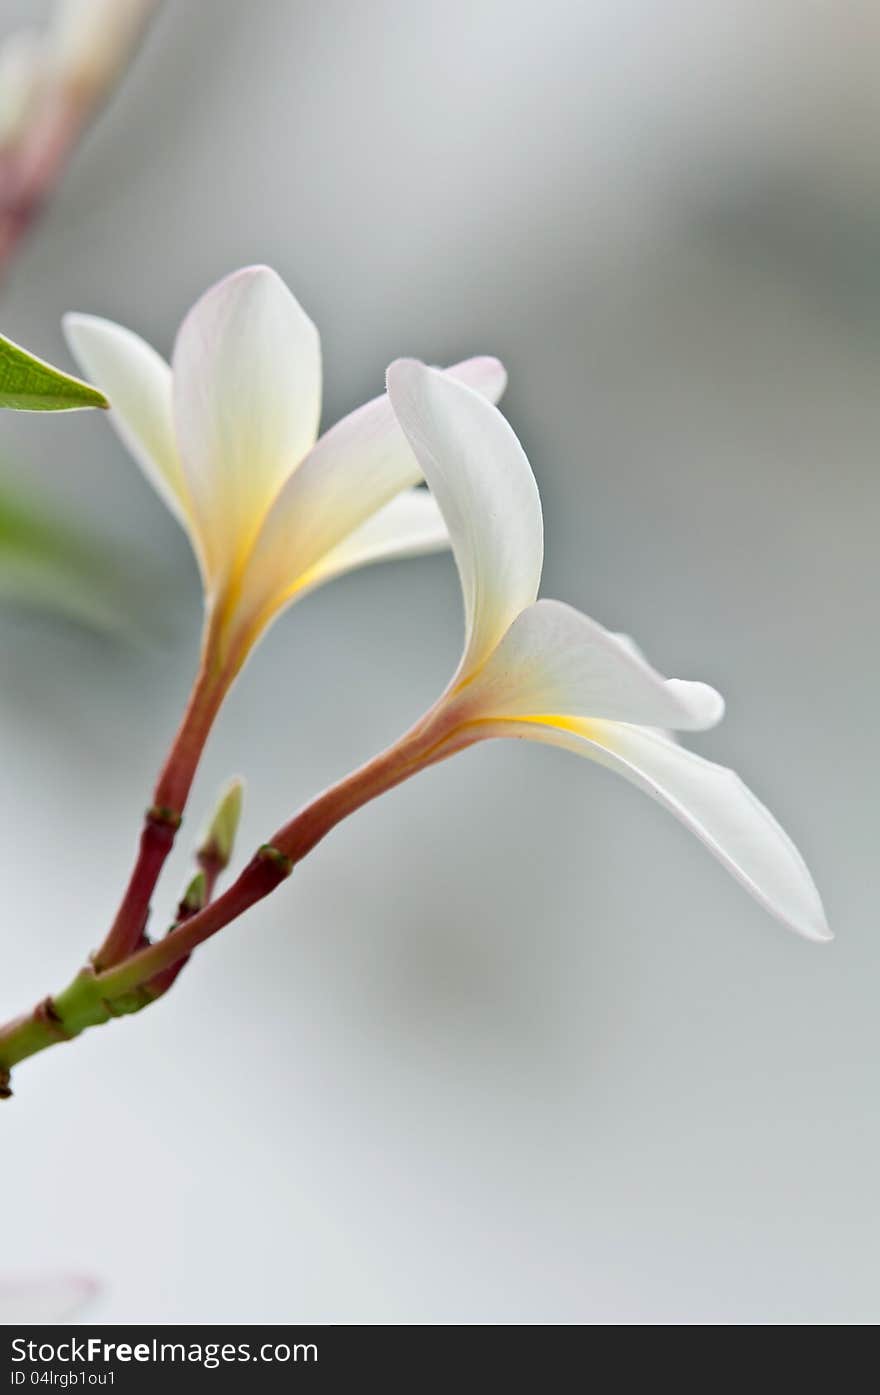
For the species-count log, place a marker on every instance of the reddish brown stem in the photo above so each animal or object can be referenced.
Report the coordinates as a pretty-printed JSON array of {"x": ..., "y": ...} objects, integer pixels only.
[
  {"x": 212, "y": 868},
  {"x": 425, "y": 745},
  {"x": 164, "y": 816},
  {"x": 266, "y": 870},
  {"x": 94, "y": 997}
]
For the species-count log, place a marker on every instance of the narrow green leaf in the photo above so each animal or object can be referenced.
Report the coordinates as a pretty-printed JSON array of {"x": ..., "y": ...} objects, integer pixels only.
[{"x": 27, "y": 384}]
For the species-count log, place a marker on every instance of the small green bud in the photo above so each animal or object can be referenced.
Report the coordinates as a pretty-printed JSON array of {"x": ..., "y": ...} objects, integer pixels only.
[
  {"x": 219, "y": 840},
  {"x": 195, "y": 897}
]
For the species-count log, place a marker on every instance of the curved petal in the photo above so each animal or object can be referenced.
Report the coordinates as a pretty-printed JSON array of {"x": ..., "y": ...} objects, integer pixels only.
[
  {"x": 479, "y": 474},
  {"x": 247, "y": 398},
  {"x": 409, "y": 526},
  {"x": 711, "y": 801},
  {"x": 486, "y": 375},
  {"x": 137, "y": 382},
  {"x": 355, "y": 469},
  {"x": 555, "y": 663}
]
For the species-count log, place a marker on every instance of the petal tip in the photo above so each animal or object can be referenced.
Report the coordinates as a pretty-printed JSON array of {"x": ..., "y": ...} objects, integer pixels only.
[
  {"x": 403, "y": 370},
  {"x": 712, "y": 705},
  {"x": 254, "y": 271},
  {"x": 487, "y": 375},
  {"x": 808, "y": 920},
  {"x": 492, "y": 364},
  {"x": 81, "y": 329},
  {"x": 702, "y": 706},
  {"x": 820, "y": 932},
  {"x": 73, "y": 321},
  {"x": 497, "y": 368},
  {"x": 244, "y": 282}
]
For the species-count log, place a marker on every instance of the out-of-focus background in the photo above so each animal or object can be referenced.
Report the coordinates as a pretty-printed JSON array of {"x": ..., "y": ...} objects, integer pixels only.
[{"x": 510, "y": 1047}]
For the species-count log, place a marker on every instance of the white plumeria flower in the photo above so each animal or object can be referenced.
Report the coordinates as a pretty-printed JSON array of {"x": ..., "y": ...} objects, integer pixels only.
[
  {"x": 541, "y": 670},
  {"x": 75, "y": 57},
  {"x": 26, "y": 1302},
  {"x": 227, "y": 435}
]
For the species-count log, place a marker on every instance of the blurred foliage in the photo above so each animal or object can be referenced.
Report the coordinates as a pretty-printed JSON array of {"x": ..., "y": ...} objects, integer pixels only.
[
  {"x": 27, "y": 384},
  {"x": 46, "y": 564},
  {"x": 49, "y": 565}
]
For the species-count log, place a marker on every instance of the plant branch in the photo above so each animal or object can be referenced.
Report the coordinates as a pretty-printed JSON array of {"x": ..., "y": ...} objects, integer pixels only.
[
  {"x": 99, "y": 993},
  {"x": 164, "y": 816}
]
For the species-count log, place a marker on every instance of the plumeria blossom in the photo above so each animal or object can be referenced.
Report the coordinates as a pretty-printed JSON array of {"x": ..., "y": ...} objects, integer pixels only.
[
  {"x": 228, "y": 435},
  {"x": 75, "y": 57},
  {"x": 43, "y": 1300},
  {"x": 543, "y": 671}
]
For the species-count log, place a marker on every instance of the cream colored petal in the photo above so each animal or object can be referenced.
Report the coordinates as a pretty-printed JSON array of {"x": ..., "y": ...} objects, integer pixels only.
[
  {"x": 247, "y": 397},
  {"x": 483, "y": 483},
  {"x": 137, "y": 383},
  {"x": 711, "y": 801},
  {"x": 486, "y": 375},
  {"x": 354, "y": 470},
  {"x": 409, "y": 526},
  {"x": 556, "y": 662}
]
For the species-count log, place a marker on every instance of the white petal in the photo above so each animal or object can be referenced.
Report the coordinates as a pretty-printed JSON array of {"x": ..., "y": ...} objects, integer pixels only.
[
  {"x": 409, "y": 526},
  {"x": 479, "y": 474},
  {"x": 486, "y": 375},
  {"x": 554, "y": 661},
  {"x": 39, "y": 1301},
  {"x": 712, "y": 802},
  {"x": 355, "y": 469},
  {"x": 247, "y": 398},
  {"x": 628, "y": 643},
  {"x": 137, "y": 382}
]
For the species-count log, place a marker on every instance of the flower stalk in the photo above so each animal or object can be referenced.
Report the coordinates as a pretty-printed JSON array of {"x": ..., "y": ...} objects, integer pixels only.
[
  {"x": 95, "y": 996},
  {"x": 99, "y": 993},
  {"x": 305, "y": 510},
  {"x": 165, "y": 815},
  {"x": 272, "y": 510}
]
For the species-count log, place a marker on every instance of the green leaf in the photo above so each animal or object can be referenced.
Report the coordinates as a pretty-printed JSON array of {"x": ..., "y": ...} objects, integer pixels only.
[{"x": 27, "y": 384}]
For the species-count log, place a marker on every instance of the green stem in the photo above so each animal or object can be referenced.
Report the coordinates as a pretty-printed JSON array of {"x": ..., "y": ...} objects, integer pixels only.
[
  {"x": 97, "y": 994},
  {"x": 83, "y": 1003}
]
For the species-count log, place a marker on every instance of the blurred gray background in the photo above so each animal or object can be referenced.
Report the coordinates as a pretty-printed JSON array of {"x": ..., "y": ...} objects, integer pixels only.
[{"x": 510, "y": 1047}]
